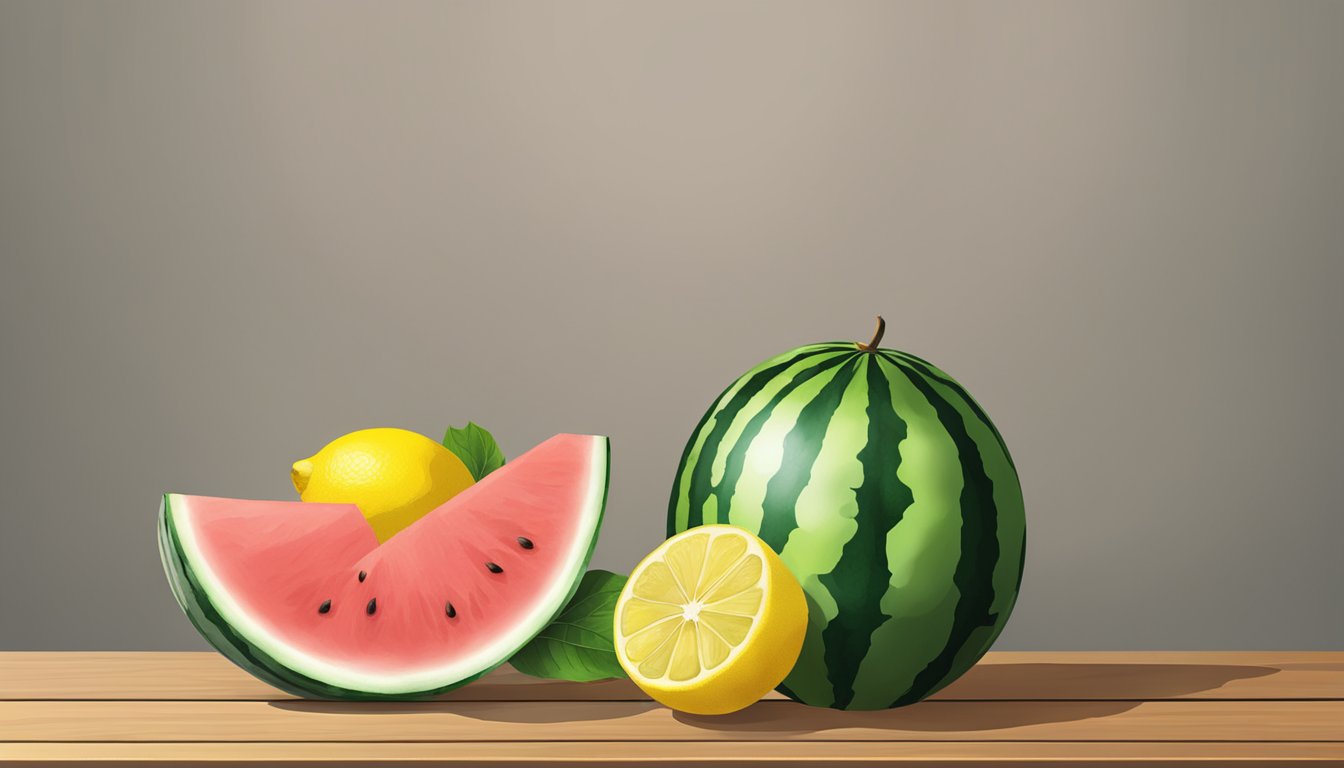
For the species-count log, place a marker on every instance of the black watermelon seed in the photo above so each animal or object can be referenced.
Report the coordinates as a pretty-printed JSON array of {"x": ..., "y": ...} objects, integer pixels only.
[
  {"x": 324, "y": 607},
  {"x": 371, "y": 607},
  {"x": 494, "y": 568},
  {"x": 450, "y": 610},
  {"x": 524, "y": 542},
  {"x": 362, "y": 576}
]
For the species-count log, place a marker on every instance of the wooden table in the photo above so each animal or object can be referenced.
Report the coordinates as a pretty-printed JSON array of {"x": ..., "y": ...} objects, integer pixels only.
[{"x": 1013, "y": 708}]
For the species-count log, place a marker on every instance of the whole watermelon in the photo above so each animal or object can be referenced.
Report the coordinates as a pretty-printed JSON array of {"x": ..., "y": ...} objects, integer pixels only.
[{"x": 889, "y": 494}]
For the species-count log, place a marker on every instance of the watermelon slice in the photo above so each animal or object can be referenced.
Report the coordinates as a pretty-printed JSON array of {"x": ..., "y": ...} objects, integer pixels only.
[{"x": 303, "y": 596}]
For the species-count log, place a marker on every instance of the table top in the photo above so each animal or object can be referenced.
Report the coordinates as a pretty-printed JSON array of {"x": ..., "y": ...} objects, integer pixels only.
[{"x": 1075, "y": 708}]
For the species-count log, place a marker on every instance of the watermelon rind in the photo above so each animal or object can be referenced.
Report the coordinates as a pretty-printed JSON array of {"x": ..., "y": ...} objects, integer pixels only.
[{"x": 233, "y": 633}]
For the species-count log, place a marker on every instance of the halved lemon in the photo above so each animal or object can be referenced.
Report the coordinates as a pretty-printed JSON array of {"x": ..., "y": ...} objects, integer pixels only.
[{"x": 710, "y": 621}]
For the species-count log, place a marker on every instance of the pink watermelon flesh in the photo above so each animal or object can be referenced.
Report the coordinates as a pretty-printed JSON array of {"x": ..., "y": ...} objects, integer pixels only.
[{"x": 442, "y": 592}]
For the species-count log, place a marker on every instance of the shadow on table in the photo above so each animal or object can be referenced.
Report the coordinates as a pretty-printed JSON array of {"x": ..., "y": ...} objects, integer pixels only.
[
  {"x": 989, "y": 697},
  {"x": 997, "y": 696},
  {"x": 782, "y": 718},
  {"x": 494, "y": 711},
  {"x": 1109, "y": 682}
]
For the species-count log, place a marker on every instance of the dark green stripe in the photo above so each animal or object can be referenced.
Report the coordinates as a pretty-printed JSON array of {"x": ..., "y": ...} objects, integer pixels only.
[
  {"x": 979, "y": 545},
  {"x": 695, "y": 515},
  {"x": 1008, "y": 499},
  {"x": 701, "y": 473},
  {"x": 928, "y": 369},
  {"x": 1021, "y": 564},
  {"x": 801, "y": 446},
  {"x": 700, "y": 485},
  {"x": 861, "y": 578}
]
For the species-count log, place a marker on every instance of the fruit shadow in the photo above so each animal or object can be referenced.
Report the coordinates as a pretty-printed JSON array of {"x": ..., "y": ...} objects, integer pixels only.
[
  {"x": 1065, "y": 681},
  {"x": 528, "y": 712},
  {"x": 983, "y": 700}
]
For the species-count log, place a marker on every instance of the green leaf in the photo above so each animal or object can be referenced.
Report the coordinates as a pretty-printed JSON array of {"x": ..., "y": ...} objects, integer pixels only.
[
  {"x": 476, "y": 448},
  {"x": 578, "y": 645}
]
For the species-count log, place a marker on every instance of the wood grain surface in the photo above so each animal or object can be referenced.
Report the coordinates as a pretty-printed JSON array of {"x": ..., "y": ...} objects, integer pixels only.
[{"x": 1073, "y": 708}]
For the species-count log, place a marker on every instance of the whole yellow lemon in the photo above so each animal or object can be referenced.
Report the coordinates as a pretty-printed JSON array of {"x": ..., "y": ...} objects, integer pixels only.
[{"x": 395, "y": 476}]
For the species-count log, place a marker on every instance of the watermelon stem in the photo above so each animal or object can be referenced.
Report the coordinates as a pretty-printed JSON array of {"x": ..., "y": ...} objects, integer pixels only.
[{"x": 877, "y": 337}]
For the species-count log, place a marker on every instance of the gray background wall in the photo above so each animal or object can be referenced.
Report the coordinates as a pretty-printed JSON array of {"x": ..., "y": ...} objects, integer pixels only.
[{"x": 233, "y": 231}]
